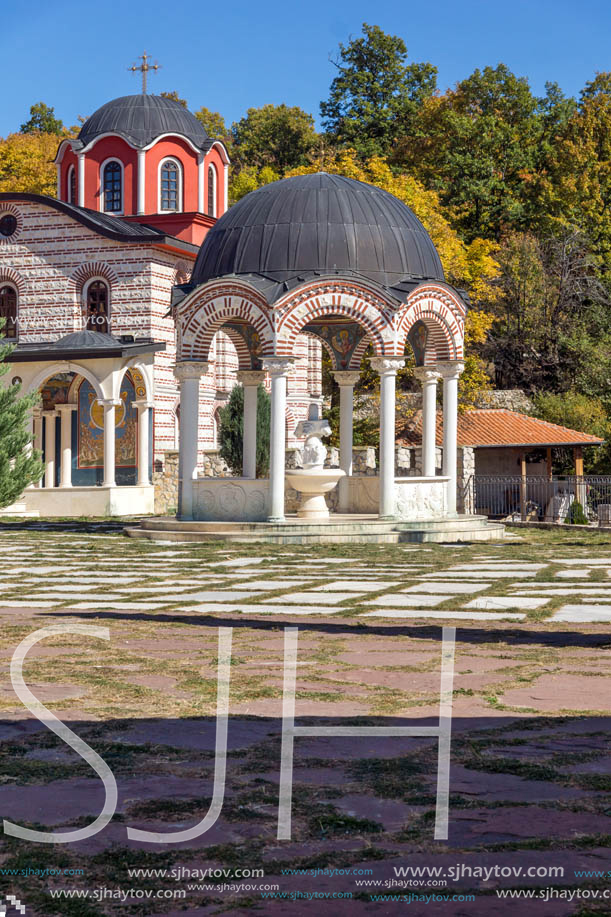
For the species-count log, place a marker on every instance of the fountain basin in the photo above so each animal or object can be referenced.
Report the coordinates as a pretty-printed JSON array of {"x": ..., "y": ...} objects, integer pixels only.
[{"x": 313, "y": 484}]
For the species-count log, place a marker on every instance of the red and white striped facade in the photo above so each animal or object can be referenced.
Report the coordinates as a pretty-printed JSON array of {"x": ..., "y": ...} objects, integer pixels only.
[{"x": 51, "y": 259}]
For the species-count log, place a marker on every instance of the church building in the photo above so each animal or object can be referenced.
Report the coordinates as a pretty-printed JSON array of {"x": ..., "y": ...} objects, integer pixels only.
[{"x": 86, "y": 281}]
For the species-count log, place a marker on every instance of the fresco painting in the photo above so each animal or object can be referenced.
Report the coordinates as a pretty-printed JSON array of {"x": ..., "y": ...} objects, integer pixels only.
[{"x": 91, "y": 427}]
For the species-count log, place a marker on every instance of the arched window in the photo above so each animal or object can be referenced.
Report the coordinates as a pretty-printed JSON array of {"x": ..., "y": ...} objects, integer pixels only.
[
  {"x": 112, "y": 180},
  {"x": 8, "y": 312},
  {"x": 97, "y": 306},
  {"x": 72, "y": 185},
  {"x": 211, "y": 191},
  {"x": 170, "y": 185}
]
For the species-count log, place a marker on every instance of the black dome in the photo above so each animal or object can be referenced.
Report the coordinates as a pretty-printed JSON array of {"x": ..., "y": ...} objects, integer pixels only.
[
  {"x": 141, "y": 118},
  {"x": 319, "y": 223}
]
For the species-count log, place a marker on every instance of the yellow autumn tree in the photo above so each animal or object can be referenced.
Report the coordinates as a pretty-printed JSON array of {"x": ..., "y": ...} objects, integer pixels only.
[
  {"x": 26, "y": 163},
  {"x": 467, "y": 266}
]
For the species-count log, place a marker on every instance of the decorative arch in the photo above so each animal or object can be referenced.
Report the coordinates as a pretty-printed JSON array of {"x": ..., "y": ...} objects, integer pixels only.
[
  {"x": 8, "y": 275},
  {"x": 140, "y": 377},
  {"x": 55, "y": 368},
  {"x": 90, "y": 271},
  {"x": 444, "y": 321},
  {"x": 324, "y": 344},
  {"x": 245, "y": 358},
  {"x": 359, "y": 352},
  {"x": 203, "y": 316},
  {"x": 355, "y": 303}
]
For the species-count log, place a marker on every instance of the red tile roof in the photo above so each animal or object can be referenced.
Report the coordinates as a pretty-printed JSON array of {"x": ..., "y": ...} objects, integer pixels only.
[{"x": 499, "y": 427}]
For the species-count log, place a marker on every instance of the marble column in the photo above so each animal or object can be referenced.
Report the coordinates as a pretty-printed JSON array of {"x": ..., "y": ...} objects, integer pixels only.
[
  {"x": 278, "y": 368},
  {"x": 109, "y": 405},
  {"x": 451, "y": 373},
  {"x": 250, "y": 380},
  {"x": 144, "y": 429},
  {"x": 429, "y": 379},
  {"x": 37, "y": 431},
  {"x": 49, "y": 448},
  {"x": 65, "y": 468},
  {"x": 188, "y": 374},
  {"x": 387, "y": 367},
  {"x": 346, "y": 379}
]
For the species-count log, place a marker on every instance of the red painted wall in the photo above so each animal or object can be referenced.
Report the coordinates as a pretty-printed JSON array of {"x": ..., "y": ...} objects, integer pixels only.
[
  {"x": 111, "y": 148},
  {"x": 68, "y": 160},
  {"x": 187, "y": 157},
  {"x": 116, "y": 148}
]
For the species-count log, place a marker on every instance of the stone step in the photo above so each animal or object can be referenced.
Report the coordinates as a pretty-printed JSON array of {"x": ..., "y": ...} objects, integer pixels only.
[{"x": 374, "y": 531}]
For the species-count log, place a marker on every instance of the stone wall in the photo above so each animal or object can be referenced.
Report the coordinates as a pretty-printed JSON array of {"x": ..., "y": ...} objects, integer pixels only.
[
  {"x": 165, "y": 480},
  {"x": 512, "y": 399}
]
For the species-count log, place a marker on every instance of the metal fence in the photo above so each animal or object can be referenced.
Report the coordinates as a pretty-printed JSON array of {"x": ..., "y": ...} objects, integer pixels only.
[{"x": 539, "y": 498}]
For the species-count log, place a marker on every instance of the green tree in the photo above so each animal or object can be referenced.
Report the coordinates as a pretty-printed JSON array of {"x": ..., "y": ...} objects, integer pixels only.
[
  {"x": 42, "y": 119},
  {"x": 479, "y": 146},
  {"x": 552, "y": 320},
  {"x": 214, "y": 125},
  {"x": 576, "y": 189},
  {"x": 231, "y": 430},
  {"x": 18, "y": 469},
  {"x": 275, "y": 136},
  {"x": 376, "y": 95}
]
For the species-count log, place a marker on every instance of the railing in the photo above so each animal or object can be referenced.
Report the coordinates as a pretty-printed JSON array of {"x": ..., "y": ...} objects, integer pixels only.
[{"x": 539, "y": 498}]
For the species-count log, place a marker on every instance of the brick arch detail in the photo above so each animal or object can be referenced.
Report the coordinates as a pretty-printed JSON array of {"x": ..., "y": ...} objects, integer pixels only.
[
  {"x": 8, "y": 275},
  {"x": 445, "y": 327},
  {"x": 354, "y": 304},
  {"x": 244, "y": 358},
  {"x": 205, "y": 317},
  {"x": 85, "y": 272}
]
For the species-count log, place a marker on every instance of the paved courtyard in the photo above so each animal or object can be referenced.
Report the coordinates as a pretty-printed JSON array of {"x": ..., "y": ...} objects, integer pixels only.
[{"x": 529, "y": 759}]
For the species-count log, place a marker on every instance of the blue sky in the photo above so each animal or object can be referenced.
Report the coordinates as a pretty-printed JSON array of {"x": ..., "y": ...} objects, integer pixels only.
[{"x": 233, "y": 55}]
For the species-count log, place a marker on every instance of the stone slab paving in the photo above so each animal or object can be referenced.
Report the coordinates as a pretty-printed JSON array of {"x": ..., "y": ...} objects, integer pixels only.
[
  {"x": 220, "y": 607},
  {"x": 350, "y": 586},
  {"x": 583, "y": 613},
  {"x": 312, "y": 598},
  {"x": 529, "y": 731},
  {"x": 448, "y": 615},
  {"x": 400, "y": 600},
  {"x": 516, "y": 601},
  {"x": 451, "y": 588}
]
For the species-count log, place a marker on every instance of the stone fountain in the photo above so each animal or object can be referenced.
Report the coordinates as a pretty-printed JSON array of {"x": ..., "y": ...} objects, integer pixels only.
[{"x": 313, "y": 480}]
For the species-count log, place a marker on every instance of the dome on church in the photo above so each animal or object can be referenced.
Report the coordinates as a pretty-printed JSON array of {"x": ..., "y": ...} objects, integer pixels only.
[
  {"x": 141, "y": 118},
  {"x": 319, "y": 224}
]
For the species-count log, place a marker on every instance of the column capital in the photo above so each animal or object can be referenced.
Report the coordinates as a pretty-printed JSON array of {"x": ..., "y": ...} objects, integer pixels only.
[
  {"x": 250, "y": 376},
  {"x": 387, "y": 366},
  {"x": 48, "y": 412},
  {"x": 190, "y": 369},
  {"x": 66, "y": 408},
  {"x": 346, "y": 376},
  {"x": 451, "y": 369},
  {"x": 278, "y": 366},
  {"x": 142, "y": 404},
  {"x": 109, "y": 402},
  {"x": 427, "y": 374}
]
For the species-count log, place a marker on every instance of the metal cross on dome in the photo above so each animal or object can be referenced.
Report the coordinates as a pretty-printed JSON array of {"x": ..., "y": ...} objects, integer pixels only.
[{"x": 144, "y": 68}]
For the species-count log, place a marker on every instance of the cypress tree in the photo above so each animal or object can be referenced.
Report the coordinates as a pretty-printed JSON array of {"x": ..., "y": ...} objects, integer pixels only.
[
  {"x": 18, "y": 468},
  {"x": 231, "y": 430}
]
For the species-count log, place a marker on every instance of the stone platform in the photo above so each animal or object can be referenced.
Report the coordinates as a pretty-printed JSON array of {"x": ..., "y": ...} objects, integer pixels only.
[{"x": 339, "y": 529}]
